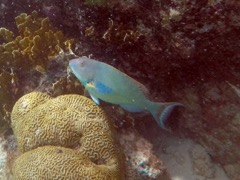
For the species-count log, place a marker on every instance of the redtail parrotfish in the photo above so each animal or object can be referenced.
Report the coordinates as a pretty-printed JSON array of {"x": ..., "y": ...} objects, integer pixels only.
[{"x": 108, "y": 84}]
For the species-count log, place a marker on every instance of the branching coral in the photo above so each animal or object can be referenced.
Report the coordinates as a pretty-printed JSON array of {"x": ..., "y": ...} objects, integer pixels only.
[
  {"x": 37, "y": 41},
  {"x": 32, "y": 48},
  {"x": 68, "y": 121}
]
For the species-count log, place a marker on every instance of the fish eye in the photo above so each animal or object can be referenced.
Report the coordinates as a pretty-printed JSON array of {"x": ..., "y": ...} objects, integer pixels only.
[{"x": 82, "y": 63}]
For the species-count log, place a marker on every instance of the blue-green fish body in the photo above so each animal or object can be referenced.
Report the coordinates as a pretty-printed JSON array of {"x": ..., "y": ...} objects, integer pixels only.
[{"x": 105, "y": 82}]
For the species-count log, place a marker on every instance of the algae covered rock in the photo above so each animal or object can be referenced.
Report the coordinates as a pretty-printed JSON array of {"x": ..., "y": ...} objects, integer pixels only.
[
  {"x": 213, "y": 120},
  {"x": 7, "y": 94},
  {"x": 71, "y": 121},
  {"x": 47, "y": 163}
]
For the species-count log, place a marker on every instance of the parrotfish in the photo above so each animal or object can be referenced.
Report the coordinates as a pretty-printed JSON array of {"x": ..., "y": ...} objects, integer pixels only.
[{"x": 108, "y": 84}]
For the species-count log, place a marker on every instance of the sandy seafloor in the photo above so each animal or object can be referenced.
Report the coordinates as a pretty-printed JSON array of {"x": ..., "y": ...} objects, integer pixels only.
[
  {"x": 187, "y": 160},
  {"x": 184, "y": 159}
]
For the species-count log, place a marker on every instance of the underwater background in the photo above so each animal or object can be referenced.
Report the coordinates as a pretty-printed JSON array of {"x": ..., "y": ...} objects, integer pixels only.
[{"x": 184, "y": 51}]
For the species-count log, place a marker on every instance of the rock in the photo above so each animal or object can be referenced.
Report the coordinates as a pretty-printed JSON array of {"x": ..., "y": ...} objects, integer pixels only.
[
  {"x": 141, "y": 158},
  {"x": 212, "y": 119}
]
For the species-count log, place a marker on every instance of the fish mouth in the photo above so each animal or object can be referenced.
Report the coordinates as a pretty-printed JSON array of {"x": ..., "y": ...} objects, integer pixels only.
[{"x": 73, "y": 62}]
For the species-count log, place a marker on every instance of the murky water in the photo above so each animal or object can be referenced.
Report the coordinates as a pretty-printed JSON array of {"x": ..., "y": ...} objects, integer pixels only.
[{"x": 177, "y": 51}]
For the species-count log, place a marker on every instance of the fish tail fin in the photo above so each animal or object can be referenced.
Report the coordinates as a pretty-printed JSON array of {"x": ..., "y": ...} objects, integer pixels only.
[{"x": 161, "y": 111}]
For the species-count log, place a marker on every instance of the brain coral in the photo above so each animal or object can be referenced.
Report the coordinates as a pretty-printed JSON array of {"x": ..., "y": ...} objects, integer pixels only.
[
  {"x": 46, "y": 163},
  {"x": 69, "y": 121},
  {"x": 34, "y": 44}
]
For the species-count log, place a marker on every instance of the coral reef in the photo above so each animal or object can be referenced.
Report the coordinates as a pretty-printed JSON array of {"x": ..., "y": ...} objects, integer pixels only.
[
  {"x": 54, "y": 162},
  {"x": 69, "y": 121},
  {"x": 8, "y": 154},
  {"x": 212, "y": 119},
  {"x": 7, "y": 94},
  {"x": 187, "y": 48},
  {"x": 116, "y": 34},
  {"x": 179, "y": 39},
  {"x": 32, "y": 49},
  {"x": 36, "y": 42},
  {"x": 141, "y": 158}
]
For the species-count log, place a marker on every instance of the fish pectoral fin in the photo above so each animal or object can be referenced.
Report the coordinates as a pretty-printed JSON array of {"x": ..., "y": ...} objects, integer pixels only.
[
  {"x": 96, "y": 100},
  {"x": 86, "y": 93},
  {"x": 131, "y": 108}
]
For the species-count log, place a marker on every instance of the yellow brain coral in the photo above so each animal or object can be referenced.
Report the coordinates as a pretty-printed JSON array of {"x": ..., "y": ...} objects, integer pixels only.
[
  {"x": 47, "y": 162},
  {"x": 70, "y": 121},
  {"x": 32, "y": 46}
]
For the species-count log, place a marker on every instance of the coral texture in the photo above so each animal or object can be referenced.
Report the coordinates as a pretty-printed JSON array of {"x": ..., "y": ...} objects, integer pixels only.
[
  {"x": 141, "y": 158},
  {"x": 47, "y": 163},
  {"x": 38, "y": 40},
  {"x": 69, "y": 121},
  {"x": 6, "y": 95},
  {"x": 30, "y": 50},
  {"x": 116, "y": 34}
]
